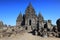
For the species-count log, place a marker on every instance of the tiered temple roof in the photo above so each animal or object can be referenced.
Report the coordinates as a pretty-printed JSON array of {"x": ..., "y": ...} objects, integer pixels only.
[
  {"x": 20, "y": 17},
  {"x": 30, "y": 10}
]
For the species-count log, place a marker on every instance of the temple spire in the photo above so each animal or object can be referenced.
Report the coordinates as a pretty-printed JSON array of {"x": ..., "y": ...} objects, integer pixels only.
[
  {"x": 30, "y": 5},
  {"x": 40, "y": 17},
  {"x": 20, "y": 17},
  {"x": 30, "y": 9}
]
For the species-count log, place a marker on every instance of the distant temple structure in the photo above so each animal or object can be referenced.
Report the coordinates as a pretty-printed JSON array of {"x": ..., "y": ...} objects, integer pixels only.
[{"x": 31, "y": 21}]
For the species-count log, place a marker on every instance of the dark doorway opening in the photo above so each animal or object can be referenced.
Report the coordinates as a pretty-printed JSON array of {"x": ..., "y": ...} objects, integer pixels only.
[
  {"x": 29, "y": 22},
  {"x": 45, "y": 25}
]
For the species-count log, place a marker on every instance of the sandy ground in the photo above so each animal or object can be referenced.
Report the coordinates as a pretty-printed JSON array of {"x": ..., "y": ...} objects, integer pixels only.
[{"x": 27, "y": 36}]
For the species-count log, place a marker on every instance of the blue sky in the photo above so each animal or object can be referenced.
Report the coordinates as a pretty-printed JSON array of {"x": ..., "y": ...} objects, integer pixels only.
[{"x": 10, "y": 9}]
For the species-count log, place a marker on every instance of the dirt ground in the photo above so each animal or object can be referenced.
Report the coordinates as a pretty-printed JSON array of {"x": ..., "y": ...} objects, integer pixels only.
[{"x": 27, "y": 36}]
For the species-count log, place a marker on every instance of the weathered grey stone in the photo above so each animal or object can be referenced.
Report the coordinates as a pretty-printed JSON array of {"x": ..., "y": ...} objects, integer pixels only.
[{"x": 58, "y": 26}]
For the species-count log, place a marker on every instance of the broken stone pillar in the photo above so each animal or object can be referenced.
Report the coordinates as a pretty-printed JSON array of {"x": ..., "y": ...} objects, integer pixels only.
[
  {"x": 49, "y": 25},
  {"x": 45, "y": 33},
  {"x": 36, "y": 33},
  {"x": 29, "y": 28}
]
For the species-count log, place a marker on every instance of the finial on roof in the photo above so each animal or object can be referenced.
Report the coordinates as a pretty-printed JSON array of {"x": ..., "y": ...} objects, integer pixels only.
[
  {"x": 30, "y": 4},
  {"x": 40, "y": 15}
]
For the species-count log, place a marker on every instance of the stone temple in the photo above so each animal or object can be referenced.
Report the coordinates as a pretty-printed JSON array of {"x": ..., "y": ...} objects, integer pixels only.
[{"x": 31, "y": 21}]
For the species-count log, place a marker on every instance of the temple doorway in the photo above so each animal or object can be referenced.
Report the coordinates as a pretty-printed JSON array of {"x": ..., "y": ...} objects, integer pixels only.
[{"x": 29, "y": 22}]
